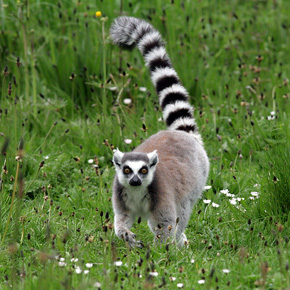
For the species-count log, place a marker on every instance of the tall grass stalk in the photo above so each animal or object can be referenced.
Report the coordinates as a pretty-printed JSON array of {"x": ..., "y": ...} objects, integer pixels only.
[
  {"x": 104, "y": 98},
  {"x": 12, "y": 202}
]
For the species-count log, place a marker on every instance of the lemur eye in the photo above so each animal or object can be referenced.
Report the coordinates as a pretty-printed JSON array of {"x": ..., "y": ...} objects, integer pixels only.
[
  {"x": 127, "y": 170},
  {"x": 144, "y": 170}
]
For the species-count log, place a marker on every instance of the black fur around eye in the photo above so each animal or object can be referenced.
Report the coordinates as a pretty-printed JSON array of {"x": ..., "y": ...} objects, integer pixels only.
[
  {"x": 127, "y": 170},
  {"x": 143, "y": 170}
]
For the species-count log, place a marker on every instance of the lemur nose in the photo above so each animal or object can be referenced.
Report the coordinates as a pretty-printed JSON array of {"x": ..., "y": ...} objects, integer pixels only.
[{"x": 135, "y": 181}]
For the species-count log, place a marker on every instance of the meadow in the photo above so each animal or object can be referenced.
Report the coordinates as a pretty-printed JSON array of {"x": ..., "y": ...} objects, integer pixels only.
[{"x": 69, "y": 98}]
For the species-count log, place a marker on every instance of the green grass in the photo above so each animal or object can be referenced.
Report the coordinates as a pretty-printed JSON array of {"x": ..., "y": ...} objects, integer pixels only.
[{"x": 65, "y": 107}]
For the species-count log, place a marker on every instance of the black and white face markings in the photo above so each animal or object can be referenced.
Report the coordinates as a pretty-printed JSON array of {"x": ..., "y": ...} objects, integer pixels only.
[
  {"x": 135, "y": 172},
  {"x": 135, "y": 169}
]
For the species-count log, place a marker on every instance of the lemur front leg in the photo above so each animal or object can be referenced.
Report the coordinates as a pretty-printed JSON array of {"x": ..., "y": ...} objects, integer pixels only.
[
  {"x": 163, "y": 223},
  {"x": 123, "y": 223}
]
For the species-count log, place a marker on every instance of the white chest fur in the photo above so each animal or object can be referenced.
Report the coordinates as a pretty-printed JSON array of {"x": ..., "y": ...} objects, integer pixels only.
[{"x": 137, "y": 200}]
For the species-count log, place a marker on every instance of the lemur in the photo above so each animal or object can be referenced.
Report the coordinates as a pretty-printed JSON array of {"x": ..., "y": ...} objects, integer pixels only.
[{"x": 163, "y": 177}]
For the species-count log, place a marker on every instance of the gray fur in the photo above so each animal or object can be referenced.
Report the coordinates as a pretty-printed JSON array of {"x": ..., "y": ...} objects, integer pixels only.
[{"x": 176, "y": 161}]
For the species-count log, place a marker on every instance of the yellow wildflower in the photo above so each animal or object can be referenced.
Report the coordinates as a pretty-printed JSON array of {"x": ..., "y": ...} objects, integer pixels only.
[{"x": 98, "y": 14}]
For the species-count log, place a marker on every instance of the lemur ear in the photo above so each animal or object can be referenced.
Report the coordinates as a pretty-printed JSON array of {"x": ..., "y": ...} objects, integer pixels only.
[
  {"x": 153, "y": 158},
  {"x": 118, "y": 155}
]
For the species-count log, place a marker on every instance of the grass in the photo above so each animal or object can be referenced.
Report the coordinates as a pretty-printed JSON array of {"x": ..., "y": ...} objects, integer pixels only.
[{"x": 63, "y": 87}]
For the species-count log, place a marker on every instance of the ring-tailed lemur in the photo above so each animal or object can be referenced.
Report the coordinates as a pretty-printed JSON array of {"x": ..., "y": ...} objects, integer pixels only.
[{"x": 163, "y": 177}]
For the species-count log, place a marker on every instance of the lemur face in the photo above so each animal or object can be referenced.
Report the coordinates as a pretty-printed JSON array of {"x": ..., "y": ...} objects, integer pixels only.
[{"x": 135, "y": 169}]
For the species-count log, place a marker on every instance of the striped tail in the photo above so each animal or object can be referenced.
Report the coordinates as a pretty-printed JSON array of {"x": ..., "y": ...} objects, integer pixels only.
[{"x": 128, "y": 32}]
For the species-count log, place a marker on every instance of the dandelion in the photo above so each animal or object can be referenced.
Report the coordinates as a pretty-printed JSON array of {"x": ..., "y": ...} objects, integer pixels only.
[
  {"x": 118, "y": 263},
  {"x": 207, "y": 201},
  {"x": 180, "y": 285},
  {"x": 207, "y": 187},
  {"x": 201, "y": 281},
  {"x": 89, "y": 265},
  {"x": 98, "y": 14},
  {"x": 128, "y": 141},
  {"x": 215, "y": 205},
  {"x": 154, "y": 274},
  {"x": 127, "y": 101},
  {"x": 226, "y": 271}
]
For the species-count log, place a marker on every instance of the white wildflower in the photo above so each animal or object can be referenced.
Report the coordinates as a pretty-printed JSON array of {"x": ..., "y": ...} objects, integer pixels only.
[
  {"x": 46, "y": 157},
  {"x": 78, "y": 270},
  {"x": 233, "y": 201},
  {"x": 118, "y": 263},
  {"x": 61, "y": 264},
  {"x": 127, "y": 101},
  {"x": 91, "y": 161},
  {"x": 113, "y": 88},
  {"x": 172, "y": 278},
  {"x": 62, "y": 259},
  {"x": 154, "y": 274},
  {"x": 192, "y": 261},
  {"x": 272, "y": 113},
  {"x": 215, "y": 205},
  {"x": 97, "y": 285},
  {"x": 89, "y": 265},
  {"x": 74, "y": 259},
  {"x": 226, "y": 271},
  {"x": 86, "y": 272},
  {"x": 142, "y": 89},
  {"x": 128, "y": 141},
  {"x": 207, "y": 187},
  {"x": 180, "y": 285},
  {"x": 201, "y": 281},
  {"x": 207, "y": 201},
  {"x": 255, "y": 193},
  {"x": 224, "y": 191}
]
